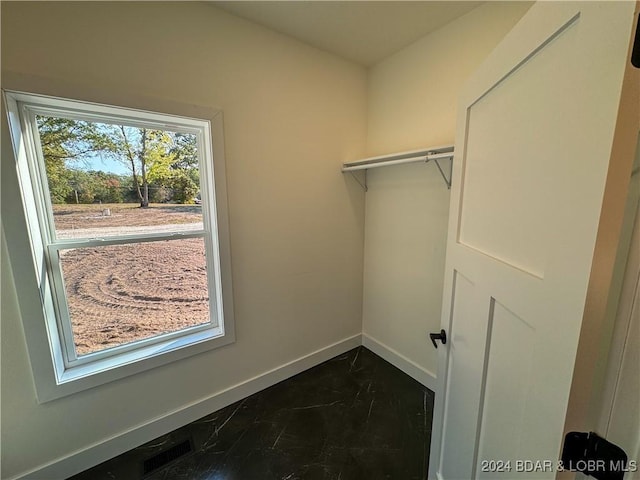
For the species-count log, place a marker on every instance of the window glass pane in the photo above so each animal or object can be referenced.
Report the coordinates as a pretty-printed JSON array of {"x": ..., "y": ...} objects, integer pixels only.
[
  {"x": 119, "y": 294},
  {"x": 107, "y": 180}
]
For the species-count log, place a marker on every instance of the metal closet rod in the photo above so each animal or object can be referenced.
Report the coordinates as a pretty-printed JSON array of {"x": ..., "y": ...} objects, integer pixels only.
[
  {"x": 385, "y": 163},
  {"x": 436, "y": 154}
]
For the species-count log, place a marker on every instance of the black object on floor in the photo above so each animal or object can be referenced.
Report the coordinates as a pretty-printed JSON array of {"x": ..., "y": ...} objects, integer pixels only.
[{"x": 355, "y": 417}]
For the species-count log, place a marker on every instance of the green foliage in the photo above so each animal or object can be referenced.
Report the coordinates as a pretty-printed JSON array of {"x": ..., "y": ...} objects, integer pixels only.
[
  {"x": 59, "y": 178},
  {"x": 184, "y": 188},
  {"x": 163, "y": 166},
  {"x": 160, "y": 194},
  {"x": 185, "y": 152},
  {"x": 159, "y": 157},
  {"x": 93, "y": 187}
]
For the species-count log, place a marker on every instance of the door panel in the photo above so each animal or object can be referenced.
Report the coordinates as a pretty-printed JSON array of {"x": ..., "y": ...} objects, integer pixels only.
[
  {"x": 497, "y": 215},
  {"x": 506, "y": 389},
  {"x": 535, "y": 130},
  {"x": 467, "y": 339}
]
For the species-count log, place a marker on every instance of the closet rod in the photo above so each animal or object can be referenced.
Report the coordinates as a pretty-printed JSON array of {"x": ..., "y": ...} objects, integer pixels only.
[
  {"x": 366, "y": 166},
  {"x": 425, "y": 155}
]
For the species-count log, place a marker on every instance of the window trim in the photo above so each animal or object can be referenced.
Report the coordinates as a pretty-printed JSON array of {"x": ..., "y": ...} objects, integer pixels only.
[{"x": 54, "y": 376}]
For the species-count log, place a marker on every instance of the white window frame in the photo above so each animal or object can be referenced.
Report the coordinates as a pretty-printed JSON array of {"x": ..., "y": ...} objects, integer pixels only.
[{"x": 59, "y": 371}]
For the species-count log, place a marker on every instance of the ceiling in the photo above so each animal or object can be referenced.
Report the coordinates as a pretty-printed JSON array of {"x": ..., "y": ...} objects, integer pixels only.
[{"x": 361, "y": 31}]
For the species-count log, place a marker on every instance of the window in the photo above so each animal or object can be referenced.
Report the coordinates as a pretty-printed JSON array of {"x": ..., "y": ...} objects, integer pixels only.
[{"x": 126, "y": 226}]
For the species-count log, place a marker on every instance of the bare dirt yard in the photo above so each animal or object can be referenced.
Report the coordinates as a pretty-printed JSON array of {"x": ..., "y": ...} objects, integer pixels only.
[
  {"x": 118, "y": 294},
  {"x": 71, "y": 217}
]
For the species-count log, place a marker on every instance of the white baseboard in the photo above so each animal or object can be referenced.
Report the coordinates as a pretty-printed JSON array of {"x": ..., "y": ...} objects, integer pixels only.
[
  {"x": 97, "y": 453},
  {"x": 415, "y": 371}
]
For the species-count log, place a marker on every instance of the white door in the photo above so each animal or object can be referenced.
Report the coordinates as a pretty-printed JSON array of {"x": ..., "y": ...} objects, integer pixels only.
[{"x": 535, "y": 130}]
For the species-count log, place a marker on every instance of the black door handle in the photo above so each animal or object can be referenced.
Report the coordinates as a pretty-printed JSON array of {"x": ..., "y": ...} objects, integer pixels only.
[{"x": 442, "y": 336}]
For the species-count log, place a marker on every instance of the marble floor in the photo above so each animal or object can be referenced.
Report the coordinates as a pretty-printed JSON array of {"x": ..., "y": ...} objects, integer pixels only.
[{"x": 354, "y": 417}]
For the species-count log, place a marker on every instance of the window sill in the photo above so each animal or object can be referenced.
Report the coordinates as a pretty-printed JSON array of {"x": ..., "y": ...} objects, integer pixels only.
[
  {"x": 72, "y": 374},
  {"x": 82, "y": 377}
]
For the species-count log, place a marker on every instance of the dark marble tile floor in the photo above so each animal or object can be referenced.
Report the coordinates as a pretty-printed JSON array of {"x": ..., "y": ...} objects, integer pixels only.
[{"x": 355, "y": 417}]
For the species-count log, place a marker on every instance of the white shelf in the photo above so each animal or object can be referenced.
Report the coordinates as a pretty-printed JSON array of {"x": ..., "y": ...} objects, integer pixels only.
[{"x": 423, "y": 155}]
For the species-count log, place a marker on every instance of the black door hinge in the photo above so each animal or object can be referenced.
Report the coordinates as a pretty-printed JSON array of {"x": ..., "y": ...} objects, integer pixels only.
[{"x": 593, "y": 455}]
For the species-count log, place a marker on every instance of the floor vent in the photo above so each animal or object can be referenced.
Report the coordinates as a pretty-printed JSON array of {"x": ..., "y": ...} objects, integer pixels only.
[{"x": 167, "y": 456}]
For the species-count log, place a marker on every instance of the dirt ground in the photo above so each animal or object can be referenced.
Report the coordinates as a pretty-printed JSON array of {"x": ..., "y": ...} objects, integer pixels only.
[
  {"x": 69, "y": 217},
  {"x": 122, "y": 293}
]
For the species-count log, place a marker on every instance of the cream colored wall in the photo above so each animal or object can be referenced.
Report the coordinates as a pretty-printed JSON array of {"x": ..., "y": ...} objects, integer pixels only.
[
  {"x": 292, "y": 115},
  {"x": 412, "y": 104}
]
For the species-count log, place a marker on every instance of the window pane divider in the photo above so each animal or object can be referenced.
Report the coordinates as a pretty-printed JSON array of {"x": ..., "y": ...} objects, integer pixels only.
[{"x": 62, "y": 244}]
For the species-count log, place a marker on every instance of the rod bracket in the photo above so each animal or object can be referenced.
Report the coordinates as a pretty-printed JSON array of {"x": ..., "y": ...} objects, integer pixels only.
[
  {"x": 363, "y": 184},
  {"x": 444, "y": 176}
]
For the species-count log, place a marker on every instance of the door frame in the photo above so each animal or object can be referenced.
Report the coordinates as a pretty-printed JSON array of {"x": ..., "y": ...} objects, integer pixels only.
[
  {"x": 597, "y": 323},
  {"x": 627, "y": 298}
]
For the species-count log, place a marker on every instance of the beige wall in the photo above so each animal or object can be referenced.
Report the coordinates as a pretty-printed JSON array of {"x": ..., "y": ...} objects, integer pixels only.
[
  {"x": 292, "y": 115},
  {"x": 412, "y": 104}
]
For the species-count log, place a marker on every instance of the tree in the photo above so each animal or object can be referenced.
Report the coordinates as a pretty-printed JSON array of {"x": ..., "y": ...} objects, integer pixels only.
[
  {"x": 184, "y": 188},
  {"x": 146, "y": 153},
  {"x": 169, "y": 160},
  {"x": 113, "y": 192},
  {"x": 64, "y": 142},
  {"x": 184, "y": 151},
  {"x": 91, "y": 186},
  {"x": 186, "y": 178}
]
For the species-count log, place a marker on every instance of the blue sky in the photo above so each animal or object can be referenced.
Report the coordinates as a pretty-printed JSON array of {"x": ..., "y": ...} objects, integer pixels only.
[{"x": 100, "y": 162}]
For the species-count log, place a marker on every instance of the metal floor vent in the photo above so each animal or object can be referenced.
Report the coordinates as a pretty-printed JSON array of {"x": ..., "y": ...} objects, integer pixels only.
[{"x": 167, "y": 456}]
